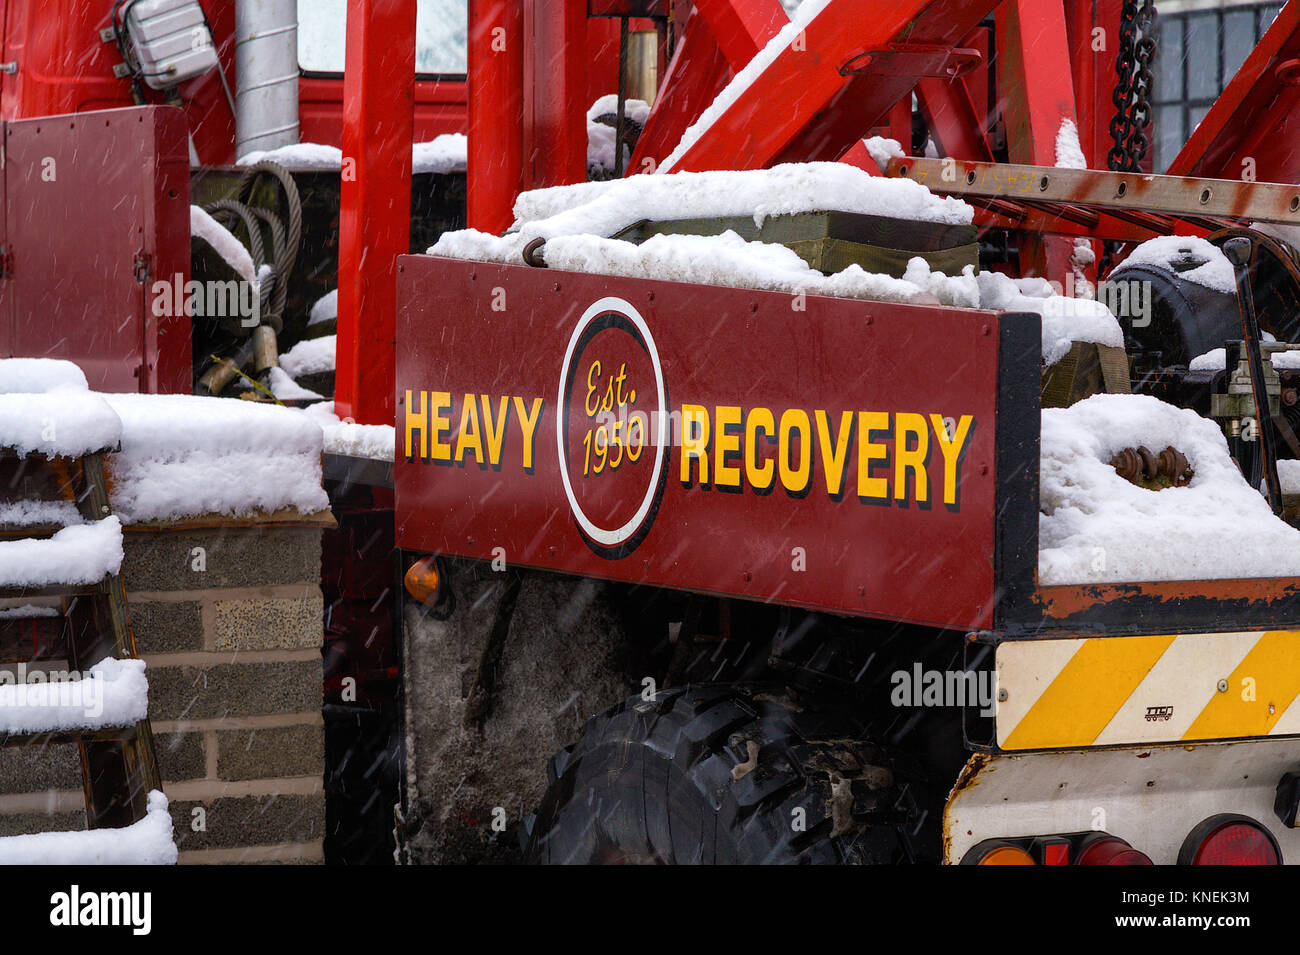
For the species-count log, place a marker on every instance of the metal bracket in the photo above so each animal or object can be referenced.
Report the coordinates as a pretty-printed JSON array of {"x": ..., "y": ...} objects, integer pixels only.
[
  {"x": 11, "y": 67},
  {"x": 914, "y": 59}
]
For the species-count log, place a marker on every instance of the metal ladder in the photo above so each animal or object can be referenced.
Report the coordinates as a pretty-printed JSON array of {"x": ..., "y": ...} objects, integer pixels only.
[{"x": 118, "y": 765}]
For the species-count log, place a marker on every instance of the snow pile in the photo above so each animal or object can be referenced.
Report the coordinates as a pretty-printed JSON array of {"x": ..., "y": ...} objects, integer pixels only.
[
  {"x": 1216, "y": 358},
  {"x": 64, "y": 421},
  {"x": 1065, "y": 320},
  {"x": 224, "y": 243},
  {"x": 1069, "y": 154},
  {"x": 804, "y": 15},
  {"x": 636, "y": 110},
  {"x": 1196, "y": 259},
  {"x": 726, "y": 260},
  {"x": 442, "y": 154},
  {"x": 601, "y": 135},
  {"x": 76, "y": 555},
  {"x": 375, "y": 441},
  {"x": 112, "y": 693},
  {"x": 605, "y": 208},
  {"x": 186, "y": 456},
  {"x": 147, "y": 842},
  {"x": 312, "y": 355},
  {"x": 882, "y": 150},
  {"x": 286, "y": 389},
  {"x": 34, "y": 375},
  {"x": 325, "y": 308},
  {"x": 1096, "y": 527}
]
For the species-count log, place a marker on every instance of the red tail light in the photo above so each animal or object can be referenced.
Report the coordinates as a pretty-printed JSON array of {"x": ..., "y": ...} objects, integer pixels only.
[
  {"x": 1110, "y": 850},
  {"x": 1229, "y": 839}
]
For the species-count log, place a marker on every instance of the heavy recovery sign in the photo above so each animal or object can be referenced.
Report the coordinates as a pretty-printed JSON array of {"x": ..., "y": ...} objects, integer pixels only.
[{"x": 618, "y": 439}]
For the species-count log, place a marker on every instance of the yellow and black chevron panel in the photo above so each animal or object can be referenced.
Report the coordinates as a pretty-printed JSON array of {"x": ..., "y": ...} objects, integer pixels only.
[{"x": 1104, "y": 691}]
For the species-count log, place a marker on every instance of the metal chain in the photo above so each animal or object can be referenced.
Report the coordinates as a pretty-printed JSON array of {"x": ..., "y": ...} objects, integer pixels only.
[{"x": 1133, "y": 81}]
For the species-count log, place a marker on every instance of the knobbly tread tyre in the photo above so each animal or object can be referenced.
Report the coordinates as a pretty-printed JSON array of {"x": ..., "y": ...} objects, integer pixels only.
[{"x": 652, "y": 781}]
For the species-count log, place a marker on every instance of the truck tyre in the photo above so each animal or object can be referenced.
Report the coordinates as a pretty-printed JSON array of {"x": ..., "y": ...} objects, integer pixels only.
[{"x": 718, "y": 775}]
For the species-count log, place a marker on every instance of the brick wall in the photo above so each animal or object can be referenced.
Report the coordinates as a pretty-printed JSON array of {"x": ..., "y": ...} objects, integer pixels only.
[{"x": 229, "y": 622}]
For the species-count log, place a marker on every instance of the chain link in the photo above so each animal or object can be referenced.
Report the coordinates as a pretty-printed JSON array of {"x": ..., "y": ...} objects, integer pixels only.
[{"x": 1133, "y": 81}]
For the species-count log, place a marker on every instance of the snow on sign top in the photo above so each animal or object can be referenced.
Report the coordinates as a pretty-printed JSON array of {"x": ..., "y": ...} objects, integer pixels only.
[
  {"x": 604, "y": 208},
  {"x": 1096, "y": 527},
  {"x": 62, "y": 422}
]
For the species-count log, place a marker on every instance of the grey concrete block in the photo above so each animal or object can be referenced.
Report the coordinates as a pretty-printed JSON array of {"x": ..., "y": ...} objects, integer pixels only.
[
  {"x": 180, "y": 756},
  {"x": 229, "y": 822},
  {"x": 233, "y": 689},
  {"x": 28, "y": 769},
  {"x": 230, "y": 557},
  {"x": 24, "y": 823},
  {"x": 165, "y": 626},
  {"x": 284, "y": 751},
  {"x": 269, "y": 623}
]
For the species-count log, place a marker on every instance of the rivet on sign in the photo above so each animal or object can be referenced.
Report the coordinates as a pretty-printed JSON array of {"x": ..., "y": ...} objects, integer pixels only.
[
  {"x": 1271, "y": 709},
  {"x": 1223, "y": 686},
  {"x": 1002, "y": 696}
]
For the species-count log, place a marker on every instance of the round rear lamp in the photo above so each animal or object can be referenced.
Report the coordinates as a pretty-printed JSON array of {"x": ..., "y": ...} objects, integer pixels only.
[
  {"x": 1230, "y": 839},
  {"x": 1110, "y": 850}
]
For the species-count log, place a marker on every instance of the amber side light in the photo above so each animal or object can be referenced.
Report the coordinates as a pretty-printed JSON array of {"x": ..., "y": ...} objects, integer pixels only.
[{"x": 421, "y": 581}]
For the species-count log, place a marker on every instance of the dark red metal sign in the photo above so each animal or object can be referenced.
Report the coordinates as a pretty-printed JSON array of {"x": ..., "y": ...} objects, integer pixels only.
[{"x": 812, "y": 451}]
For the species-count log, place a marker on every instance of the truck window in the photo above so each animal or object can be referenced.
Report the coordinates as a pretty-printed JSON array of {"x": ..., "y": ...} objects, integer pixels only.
[{"x": 441, "y": 35}]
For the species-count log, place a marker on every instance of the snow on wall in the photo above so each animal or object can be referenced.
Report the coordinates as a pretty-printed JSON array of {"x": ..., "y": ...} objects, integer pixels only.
[
  {"x": 64, "y": 421},
  {"x": 1095, "y": 527},
  {"x": 148, "y": 842},
  {"x": 80, "y": 554},
  {"x": 112, "y": 693},
  {"x": 184, "y": 455}
]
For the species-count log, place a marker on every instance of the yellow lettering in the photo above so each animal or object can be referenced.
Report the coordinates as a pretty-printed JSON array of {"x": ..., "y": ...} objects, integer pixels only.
[
  {"x": 724, "y": 474},
  {"x": 438, "y": 423},
  {"x": 495, "y": 429},
  {"x": 418, "y": 422},
  {"x": 871, "y": 488},
  {"x": 592, "y": 372},
  {"x": 795, "y": 479},
  {"x": 911, "y": 459},
  {"x": 469, "y": 439},
  {"x": 834, "y": 459},
  {"x": 528, "y": 427},
  {"x": 758, "y": 419},
  {"x": 695, "y": 443},
  {"x": 952, "y": 451}
]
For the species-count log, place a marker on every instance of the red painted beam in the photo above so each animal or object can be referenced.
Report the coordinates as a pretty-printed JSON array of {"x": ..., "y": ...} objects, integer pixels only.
[
  {"x": 1092, "y": 30},
  {"x": 697, "y": 72},
  {"x": 741, "y": 27},
  {"x": 555, "y": 139},
  {"x": 374, "y": 202},
  {"x": 803, "y": 106},
  {"x": 957, "y": 129},
  {"x": 1254, "y": 126},
  {"x": 1036, "y": 86},
  {"x": 496, "y": 112}
]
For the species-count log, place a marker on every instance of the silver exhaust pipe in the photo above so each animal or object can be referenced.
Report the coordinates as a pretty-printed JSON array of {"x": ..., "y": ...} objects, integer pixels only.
[{"x": 266, "y": 74}]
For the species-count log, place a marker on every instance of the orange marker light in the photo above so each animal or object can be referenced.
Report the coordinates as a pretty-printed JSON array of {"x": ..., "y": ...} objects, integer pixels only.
[
  {"x": 1007, "y": 855},
  {"x": 421, "y": 581}
]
